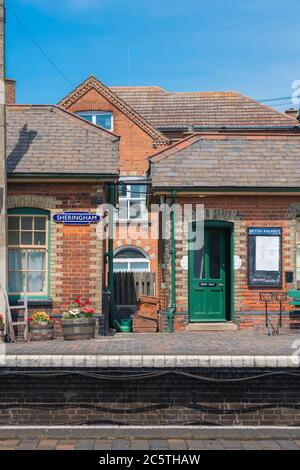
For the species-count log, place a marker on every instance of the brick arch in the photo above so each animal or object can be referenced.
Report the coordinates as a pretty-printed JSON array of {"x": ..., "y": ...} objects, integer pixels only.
[
  {"x": 222, "y": 214},
  {"x": 34, "y": 202}
]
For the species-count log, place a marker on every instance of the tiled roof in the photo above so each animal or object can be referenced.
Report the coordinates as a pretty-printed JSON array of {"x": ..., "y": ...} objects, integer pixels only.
[
  {"x": 93, "y": 83},
  {"x": 50, "y": 140},
  {"x": 229, "y": 161},
  {"x": 165, "y": 109}
]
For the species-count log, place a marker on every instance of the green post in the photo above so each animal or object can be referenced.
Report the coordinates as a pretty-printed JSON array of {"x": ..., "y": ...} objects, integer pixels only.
[
  {"x": 173, "y": 261},
  {"x": 111, "y": 200}
]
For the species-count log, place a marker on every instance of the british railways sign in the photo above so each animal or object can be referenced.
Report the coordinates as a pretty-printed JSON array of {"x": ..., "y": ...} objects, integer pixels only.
[{"x": 77, "y": 218}]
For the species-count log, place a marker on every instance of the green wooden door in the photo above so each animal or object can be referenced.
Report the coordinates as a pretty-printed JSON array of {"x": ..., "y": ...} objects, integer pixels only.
[{"x": 207, "y": 278}]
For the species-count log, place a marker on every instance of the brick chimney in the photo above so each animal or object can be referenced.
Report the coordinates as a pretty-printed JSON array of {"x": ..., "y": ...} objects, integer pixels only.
[
  {"x": 10, "y": 91},
  {"x": 292, "y": 112}
]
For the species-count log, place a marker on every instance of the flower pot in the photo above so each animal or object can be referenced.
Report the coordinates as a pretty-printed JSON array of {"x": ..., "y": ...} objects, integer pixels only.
[
  {"x": 78, "y": 328},
  {"x": 1, "y": 333},
  {"x": 42, "y": 331}
]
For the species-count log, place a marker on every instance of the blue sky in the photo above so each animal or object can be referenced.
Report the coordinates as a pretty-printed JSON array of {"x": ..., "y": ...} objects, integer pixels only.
[{"x": 249, "y": 46}]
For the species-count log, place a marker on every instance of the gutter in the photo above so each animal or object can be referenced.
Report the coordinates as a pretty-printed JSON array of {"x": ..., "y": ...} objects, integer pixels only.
[
  {"x": 172, "y": 310},
  {"x": 61, "y": 176},
  {"x": 227, "y": 189},
  {"x": 191, "y": 129}
]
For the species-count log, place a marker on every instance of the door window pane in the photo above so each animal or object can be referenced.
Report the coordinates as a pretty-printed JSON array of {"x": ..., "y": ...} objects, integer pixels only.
[
  {"x": 199, "y": 263},
  {"x": 214, "y": 255}
]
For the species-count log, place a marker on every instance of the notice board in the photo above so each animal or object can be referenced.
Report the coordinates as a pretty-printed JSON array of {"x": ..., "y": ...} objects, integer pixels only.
[{"x": 265, "y": 256}]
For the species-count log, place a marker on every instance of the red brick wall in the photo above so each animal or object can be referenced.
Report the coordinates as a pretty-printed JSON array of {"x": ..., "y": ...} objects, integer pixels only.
[
  {"x": 76, "y": 253},
  {"x": 244, "y": 211},
  {"x": 135, "y": 144}
]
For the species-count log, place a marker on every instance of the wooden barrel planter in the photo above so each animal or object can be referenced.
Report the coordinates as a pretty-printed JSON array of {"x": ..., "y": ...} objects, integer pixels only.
[
  {"x": 79, "y": 328},
  {"x": 42, "y": 331}
]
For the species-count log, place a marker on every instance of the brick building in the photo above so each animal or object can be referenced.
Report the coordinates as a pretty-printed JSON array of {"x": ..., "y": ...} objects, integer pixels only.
[
  {"x": 247, "y": 191},
  {"x": 64, "y": 158},
  {"x": 150, "y": 119},
  {"x": 56, "y": 162}
]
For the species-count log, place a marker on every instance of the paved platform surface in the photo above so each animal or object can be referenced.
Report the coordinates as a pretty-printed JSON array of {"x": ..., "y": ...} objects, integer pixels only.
[
  {"x": 231, "y": 439},
  {"x": 241, "y": 343}
]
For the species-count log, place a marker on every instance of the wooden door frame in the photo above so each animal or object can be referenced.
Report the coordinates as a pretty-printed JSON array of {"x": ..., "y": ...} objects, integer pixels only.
[{"x": 229, "y": 237}]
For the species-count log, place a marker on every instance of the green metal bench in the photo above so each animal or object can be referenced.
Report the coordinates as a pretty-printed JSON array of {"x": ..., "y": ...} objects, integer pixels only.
[{"x": 294, "y": 295}]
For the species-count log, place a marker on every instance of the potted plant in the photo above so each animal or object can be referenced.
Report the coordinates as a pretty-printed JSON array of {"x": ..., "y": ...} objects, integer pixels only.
[
  {"x": 78, "y": 321},
  {"x": 1, "y": 327},
  {"x": 41, "y": 326}
]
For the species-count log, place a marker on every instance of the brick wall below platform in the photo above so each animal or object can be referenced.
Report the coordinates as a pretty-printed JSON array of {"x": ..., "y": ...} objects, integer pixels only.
[{"x": 169, "y": 399}]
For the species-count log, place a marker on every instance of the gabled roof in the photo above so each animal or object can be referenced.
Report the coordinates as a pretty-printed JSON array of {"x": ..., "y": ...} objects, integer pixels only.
[
  {"x": 180, "y": 110},
  {"x": 229, "y": 161},
  {"x": 118, "y": 102},
  {"x": 45, "y": 139}
]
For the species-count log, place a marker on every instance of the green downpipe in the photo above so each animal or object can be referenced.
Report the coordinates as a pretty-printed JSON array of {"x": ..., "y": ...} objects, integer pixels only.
[
  {"x": 172, "y": 310},
  {"x": 111, "y": 200}
]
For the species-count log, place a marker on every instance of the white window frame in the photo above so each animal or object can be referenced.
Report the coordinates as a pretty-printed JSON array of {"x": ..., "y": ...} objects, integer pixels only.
[
  {"x": 22, "y": 247},
  {"x": 94, "y": 115},
  {"x": 132, "y": 197},
  {"x": 145, "y": 259}
]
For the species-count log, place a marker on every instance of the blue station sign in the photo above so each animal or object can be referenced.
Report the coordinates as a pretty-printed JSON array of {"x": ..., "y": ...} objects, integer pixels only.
[{"x": 77, "y": 218}]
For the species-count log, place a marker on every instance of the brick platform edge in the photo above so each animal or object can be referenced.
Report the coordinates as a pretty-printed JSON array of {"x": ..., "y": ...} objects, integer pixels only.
[{"x": 169, "y": 395}]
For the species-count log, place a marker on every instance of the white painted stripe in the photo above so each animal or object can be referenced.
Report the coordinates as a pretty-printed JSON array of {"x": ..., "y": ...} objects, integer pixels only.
[
  {"x": 166, "y": 361},
  {"x": 183, "y": 427}
]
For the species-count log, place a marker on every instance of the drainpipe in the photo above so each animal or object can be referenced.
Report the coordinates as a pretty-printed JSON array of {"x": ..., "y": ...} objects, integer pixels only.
[
  {"x": 173, "y": 258},
  {"x": 3, "y": 182},
  {"x": 110, "y": 255}
]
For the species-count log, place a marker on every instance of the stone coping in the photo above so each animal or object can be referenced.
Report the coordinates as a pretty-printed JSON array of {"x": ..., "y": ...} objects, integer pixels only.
[
  {"x": 148, "y": 432},
  {"x": 147, "y": 361}
]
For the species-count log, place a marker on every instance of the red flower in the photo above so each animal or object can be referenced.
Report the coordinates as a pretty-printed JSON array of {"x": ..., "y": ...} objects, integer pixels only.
[{"x": 88, "y": 310}]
